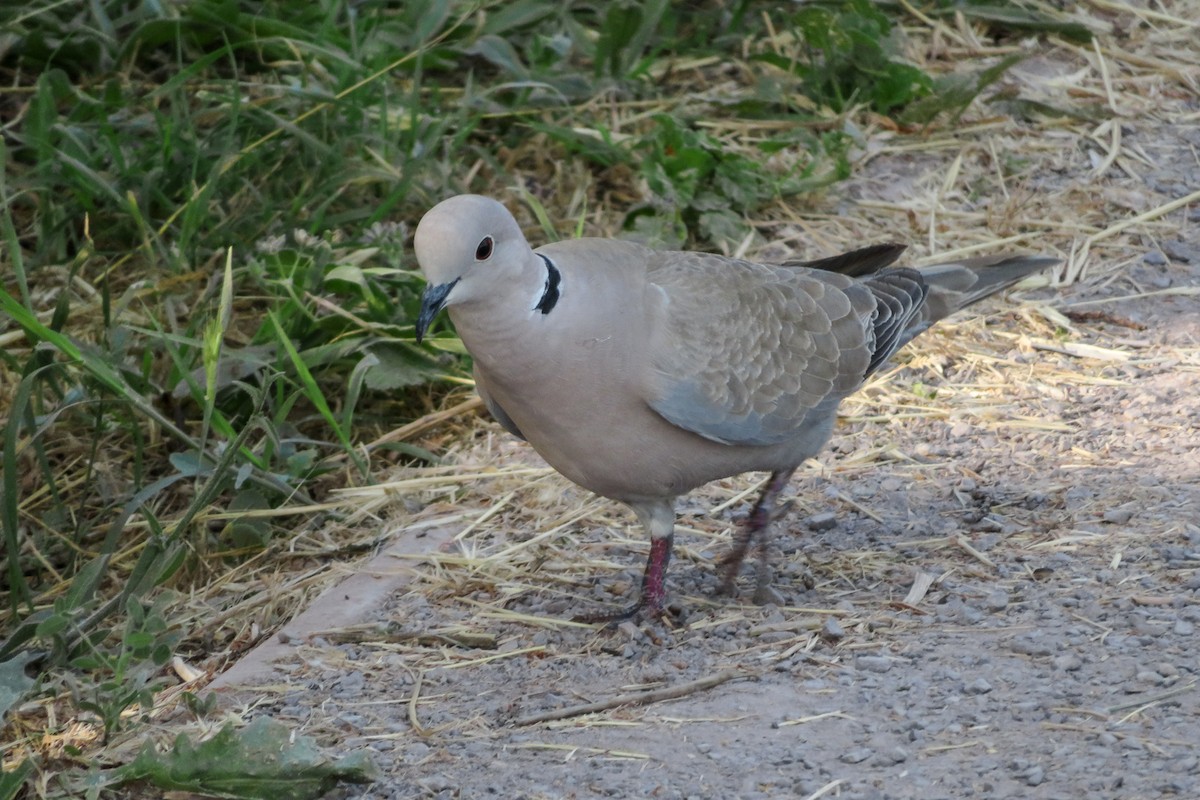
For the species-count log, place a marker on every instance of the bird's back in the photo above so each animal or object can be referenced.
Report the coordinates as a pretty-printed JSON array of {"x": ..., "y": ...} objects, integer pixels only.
[{"x": 666, "y": 370}]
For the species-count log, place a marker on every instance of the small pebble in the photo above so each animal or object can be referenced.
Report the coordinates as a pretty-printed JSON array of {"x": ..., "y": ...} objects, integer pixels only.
[
  {"x": 1189, "y": 764},
  {"x": 856, "y": 756},
  {"x": 977, "y": 686},
  {"x": 349, "y": 685},
  {"x": 417, "y": 751},
  {"x": 972, "y": 615},
  {"x": 862, "y": 490},
  {"x": 986, "y": 542},
  {"x": 879, "y": 664},
  {"x": 1030, "y": 646},
  {"x": 769, "y": 595},
  {"x": 1146, "y": 627},
  {"x": 833, "y": 629},
  {"x": 887, "y": 758},
  {"x": 1035, "y": 776},
  {"x": 436, "y": 784},
  {"x": 1179, "y": 251},
  {"x": 996, "y": 601},
  {"x": 1119, "y": 515},
  {"x": 631, "y": 631},
  {"x": 1068, "y": 662},
  {"x": 988, "y": 525},
  {"x": 1155, "y": 258},
  {"x": 824, "y": 521}
]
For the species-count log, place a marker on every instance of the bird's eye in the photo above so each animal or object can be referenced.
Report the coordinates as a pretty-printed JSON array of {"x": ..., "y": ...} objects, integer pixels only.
[{"x": 484, "y": 251}]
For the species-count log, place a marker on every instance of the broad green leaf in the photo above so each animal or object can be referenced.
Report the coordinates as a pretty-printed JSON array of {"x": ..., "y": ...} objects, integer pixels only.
[
  {"x": 266, "y": 760},
  {"x": 12, "y": 781},
  {"x": 14, "y": 683},
  {"x": 399, "y": 365}
]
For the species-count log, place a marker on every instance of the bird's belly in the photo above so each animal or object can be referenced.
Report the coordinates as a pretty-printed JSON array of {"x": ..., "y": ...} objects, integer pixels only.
[{"x": 630, "y": 453}]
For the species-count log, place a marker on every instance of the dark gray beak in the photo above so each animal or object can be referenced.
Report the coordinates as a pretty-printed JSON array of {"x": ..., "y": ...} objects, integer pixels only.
[{"x": 433, "y": 300}]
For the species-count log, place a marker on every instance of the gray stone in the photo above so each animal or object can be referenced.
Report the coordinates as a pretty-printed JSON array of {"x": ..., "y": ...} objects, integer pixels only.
[
  {"x": 825, "y": 521},
  {"x": 856, "y": 756},
  {"x": 879, "y": 664},
  {"x": 977, "y": 686}
]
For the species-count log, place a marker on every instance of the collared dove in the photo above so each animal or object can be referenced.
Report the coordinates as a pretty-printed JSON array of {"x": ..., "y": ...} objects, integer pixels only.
[{"x": 642, "y": 374}]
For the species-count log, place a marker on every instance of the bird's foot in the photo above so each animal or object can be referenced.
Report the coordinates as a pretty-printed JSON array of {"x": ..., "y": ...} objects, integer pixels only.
[
  {"x": 652, "y": 603},
  {"x": 638, "y": 611},
  {"x": 782, "y": 509},
  {"x": 731, "y": 564},
  {"x": 613, "y": 617},
  {"x": 755, "y": 532},
  {"x": 764, "y": 592}
]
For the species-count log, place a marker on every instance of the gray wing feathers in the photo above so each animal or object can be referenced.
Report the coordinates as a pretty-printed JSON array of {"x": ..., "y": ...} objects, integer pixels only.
[
  {"x": 751, "y": 354},
  {"x": 900, "y": 294},
  {"x": 780, "y": 343}
]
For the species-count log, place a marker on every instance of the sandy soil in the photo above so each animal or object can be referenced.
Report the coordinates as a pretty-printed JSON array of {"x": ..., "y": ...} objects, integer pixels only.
[{"x": 990, "y": 582}]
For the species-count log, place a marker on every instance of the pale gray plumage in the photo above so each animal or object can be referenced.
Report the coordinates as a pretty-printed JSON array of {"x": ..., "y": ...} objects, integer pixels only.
[{"x": 641, "y": 374}]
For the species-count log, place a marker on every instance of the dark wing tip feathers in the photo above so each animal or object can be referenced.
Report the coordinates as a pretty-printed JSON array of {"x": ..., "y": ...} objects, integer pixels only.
[
  {"x": 900, "y": 294},
  {"x": 856, "y": 263}
]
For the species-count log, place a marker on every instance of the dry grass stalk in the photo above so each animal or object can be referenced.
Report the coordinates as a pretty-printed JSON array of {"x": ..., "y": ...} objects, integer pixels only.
[{"x": 633, "y": 699}]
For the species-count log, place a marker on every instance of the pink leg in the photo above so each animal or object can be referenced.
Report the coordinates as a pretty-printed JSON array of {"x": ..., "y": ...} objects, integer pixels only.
[
  {"x": 653, "y": 598},
  {"x": 755, "y": 532},
  {"x": 658, "y": 518}
]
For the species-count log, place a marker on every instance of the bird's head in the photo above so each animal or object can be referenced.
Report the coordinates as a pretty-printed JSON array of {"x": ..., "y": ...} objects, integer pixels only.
[{"x": 469, "y": 247}]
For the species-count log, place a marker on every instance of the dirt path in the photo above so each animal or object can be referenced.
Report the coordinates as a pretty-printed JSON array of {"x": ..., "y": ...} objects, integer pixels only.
[
  {"x": 1035, "y": 471},
  {"x": 1052, "y": 656}
]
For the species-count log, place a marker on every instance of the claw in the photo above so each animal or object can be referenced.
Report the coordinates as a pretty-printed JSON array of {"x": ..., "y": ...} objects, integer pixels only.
[
  {"x": 611, "y": 618},
  {"x": 653, "y": 599}
]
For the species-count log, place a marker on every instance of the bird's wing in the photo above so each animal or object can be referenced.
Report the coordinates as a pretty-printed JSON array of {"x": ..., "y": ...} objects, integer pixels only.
[{"x": 743, "y": 353}]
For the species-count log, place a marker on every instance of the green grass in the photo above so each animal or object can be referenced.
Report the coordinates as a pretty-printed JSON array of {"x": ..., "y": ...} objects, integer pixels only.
[{"x": 206, "y": 295}]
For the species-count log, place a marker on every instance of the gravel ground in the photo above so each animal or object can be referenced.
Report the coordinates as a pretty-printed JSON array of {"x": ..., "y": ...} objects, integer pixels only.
[
  {"x": 1051, "y": 657},
  {"x": 1064, "y": 668},
  {"x": 1042, "y": 490}
]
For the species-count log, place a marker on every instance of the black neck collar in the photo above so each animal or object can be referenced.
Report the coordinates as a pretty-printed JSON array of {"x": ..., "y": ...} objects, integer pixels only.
[{"x": 550, "y": 293}]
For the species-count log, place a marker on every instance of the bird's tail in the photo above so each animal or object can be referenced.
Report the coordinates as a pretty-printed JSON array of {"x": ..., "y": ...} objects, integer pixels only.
[
  {"x": 913, "y": 305},
  {"x": 955, "y": 285}
]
